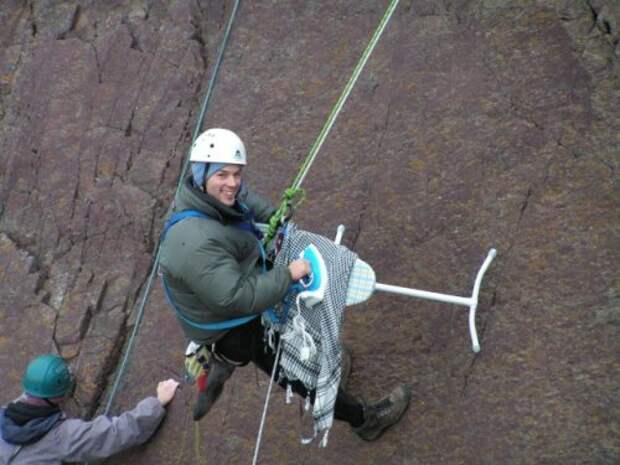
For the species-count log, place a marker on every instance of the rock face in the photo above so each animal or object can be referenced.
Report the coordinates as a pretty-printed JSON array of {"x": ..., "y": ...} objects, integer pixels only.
[
  {"x": 475, "y": 124},
  {"x": 96, "y": 100}
]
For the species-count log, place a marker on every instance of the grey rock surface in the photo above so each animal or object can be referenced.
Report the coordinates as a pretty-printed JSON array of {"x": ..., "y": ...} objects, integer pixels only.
[{"x": 475, "y": 124}]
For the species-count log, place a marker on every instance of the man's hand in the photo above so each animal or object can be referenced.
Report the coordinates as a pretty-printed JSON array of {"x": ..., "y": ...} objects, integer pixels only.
[
  {"x": 299, "y": 268},
  {"x": 166, "y": 390}
]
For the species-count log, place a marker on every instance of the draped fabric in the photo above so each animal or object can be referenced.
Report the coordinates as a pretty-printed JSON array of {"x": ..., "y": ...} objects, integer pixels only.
[{"x": 322, "y": 322}]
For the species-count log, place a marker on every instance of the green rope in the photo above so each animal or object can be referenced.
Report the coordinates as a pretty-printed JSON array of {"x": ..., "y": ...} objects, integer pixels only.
[
  {"x": 286, "y": 207},
  {"x": 130, "y": 343},
  {"x": 285, "y": 210}
]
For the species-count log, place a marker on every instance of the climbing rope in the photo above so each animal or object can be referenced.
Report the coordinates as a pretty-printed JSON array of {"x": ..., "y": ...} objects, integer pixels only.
[
  {"x": 149, "y": 284},
  {"x": 207, "y": 99},
  {"x": 264, "y": 416},
  {"x": 197, "y": 454},
  {"x": 295, "y": 190},
  {"x": 288, "y": 197}
]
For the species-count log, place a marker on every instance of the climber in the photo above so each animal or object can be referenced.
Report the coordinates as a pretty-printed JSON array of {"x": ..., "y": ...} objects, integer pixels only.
[
  {"x": 215, "y": 277},
  {"x": 34, "y": 429}
]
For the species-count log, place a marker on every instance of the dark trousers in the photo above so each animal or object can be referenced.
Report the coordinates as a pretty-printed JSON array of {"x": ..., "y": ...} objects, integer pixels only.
[{"x": 245, "y": 344}]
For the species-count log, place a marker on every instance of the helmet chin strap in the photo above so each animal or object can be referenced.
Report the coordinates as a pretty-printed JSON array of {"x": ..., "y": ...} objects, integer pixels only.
[
  {"x": 40, "y": 401},
  {"x": 50, "y": 403}
]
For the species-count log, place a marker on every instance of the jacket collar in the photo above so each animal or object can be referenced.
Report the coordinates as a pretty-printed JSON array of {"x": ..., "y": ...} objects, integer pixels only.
[{"x": 192, "y": 198}]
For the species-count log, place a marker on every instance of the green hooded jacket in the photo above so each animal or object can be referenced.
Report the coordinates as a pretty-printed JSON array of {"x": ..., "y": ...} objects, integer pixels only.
[{"x": 212, "y": 268}]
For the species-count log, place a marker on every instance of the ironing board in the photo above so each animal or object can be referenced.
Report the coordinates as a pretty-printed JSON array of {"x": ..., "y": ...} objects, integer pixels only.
[{"x": 363, "y": 284}]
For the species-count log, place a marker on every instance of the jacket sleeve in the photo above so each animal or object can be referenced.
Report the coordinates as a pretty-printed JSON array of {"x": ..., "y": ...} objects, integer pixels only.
[
  {"x": 261, "y": 207},
  {"x": 102, "y": 437},
  {"x": 220, "y": 282}
]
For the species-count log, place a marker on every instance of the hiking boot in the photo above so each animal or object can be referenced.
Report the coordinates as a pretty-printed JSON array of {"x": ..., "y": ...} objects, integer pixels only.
[
  {"x": 219, "y": 372},
  {"x": 345, "y": 367},
  {"x": 384, "y": 413}
]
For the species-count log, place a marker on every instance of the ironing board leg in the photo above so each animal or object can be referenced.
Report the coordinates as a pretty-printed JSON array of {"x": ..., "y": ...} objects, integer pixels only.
[
  {"x": 339, "y": 233},
  {"x": 471, "y": 302}
]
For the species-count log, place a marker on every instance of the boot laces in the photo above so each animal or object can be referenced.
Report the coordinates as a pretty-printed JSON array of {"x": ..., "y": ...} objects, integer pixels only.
[{"x": 384, "y": 407}]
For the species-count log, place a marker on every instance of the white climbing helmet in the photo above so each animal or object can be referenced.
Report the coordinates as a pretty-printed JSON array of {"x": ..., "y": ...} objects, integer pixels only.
[{"x": 218, "y": 146}]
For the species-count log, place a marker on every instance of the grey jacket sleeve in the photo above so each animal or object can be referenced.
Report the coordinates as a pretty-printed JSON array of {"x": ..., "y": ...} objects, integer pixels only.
[{"x": 102, "y": 437}]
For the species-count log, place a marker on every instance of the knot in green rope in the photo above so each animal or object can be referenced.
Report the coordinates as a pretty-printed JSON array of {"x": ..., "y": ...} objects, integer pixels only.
[{"x": 291, "y": 198}]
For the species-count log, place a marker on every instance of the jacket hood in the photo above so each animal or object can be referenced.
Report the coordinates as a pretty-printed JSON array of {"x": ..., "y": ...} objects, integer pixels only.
[{"x": 30, "y": 431}]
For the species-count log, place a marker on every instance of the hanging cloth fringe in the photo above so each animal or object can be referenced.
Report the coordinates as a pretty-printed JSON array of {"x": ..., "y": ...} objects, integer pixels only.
[{"x": 317, "y": 328}]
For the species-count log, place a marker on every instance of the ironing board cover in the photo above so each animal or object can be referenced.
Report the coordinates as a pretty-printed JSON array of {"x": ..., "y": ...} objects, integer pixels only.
[{"x": 361, "y": 283}]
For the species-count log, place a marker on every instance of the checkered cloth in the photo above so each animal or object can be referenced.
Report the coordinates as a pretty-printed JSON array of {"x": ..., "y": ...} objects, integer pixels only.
[{"x": 323, "y": 322}]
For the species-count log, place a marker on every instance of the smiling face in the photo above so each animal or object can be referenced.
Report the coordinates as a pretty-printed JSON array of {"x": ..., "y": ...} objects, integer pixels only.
[{"x": 224, "y": 184}]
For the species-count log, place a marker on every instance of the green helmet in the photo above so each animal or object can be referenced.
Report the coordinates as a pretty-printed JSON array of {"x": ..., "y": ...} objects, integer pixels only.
[{"x": 47, "y": 376}]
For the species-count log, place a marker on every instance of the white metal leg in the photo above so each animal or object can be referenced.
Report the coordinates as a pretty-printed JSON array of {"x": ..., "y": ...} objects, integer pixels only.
[
  {"x": 450, "y": 299},
  {"x": 339, "y": 233},
  {"x": 471, "y": 302},
  {"x": 475, "y": 345}
]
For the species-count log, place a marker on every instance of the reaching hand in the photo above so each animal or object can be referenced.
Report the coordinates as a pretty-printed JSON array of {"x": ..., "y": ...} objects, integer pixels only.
[
  {"x": 166, "y": 390},
  {"x": 299, "y": 268}
]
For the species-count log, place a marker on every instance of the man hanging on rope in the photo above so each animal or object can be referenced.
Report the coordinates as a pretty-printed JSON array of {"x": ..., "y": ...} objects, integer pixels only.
[
  {"x": 33, "y": 428},
  {"x": 216, "y": 277}
]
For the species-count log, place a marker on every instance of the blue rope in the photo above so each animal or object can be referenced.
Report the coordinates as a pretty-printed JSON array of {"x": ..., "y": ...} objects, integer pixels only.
[{"x": 198, "y": 127}]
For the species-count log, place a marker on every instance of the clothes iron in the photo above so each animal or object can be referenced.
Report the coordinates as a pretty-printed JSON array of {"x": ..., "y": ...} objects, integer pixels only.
[{"x": 315, "y": 284}]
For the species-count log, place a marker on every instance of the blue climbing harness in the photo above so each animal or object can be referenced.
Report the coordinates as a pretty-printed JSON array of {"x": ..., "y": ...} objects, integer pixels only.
[{"x": 245, "y": 225}]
